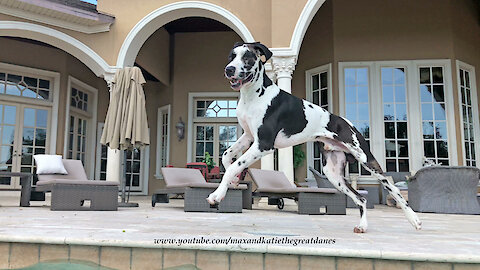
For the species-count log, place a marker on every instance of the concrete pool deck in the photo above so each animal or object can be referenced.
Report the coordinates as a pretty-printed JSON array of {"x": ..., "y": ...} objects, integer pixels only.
[{"x": 450, "y": 239}]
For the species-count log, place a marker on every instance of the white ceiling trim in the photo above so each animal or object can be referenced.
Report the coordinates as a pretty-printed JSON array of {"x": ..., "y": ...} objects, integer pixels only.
[{"x": 89, "y": 27}]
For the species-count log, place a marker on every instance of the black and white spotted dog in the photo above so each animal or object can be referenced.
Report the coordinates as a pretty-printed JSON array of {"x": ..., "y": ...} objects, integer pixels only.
[{"x": 272, "y": 118}]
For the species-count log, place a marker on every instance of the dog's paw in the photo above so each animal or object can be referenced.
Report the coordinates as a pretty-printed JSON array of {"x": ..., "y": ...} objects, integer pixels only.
[
  {"x": 235, "y": 181},
  {"x": 215, "y": 198},
  {"x": 359, "y": 229},
  {"x": 413, "y": 218}
]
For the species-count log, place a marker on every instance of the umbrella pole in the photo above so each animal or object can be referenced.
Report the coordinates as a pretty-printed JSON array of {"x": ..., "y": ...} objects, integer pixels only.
[{"x": 123, "y": 203}]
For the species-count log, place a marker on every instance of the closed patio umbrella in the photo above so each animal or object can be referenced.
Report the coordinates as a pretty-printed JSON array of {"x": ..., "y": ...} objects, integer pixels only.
[{"x": 126, "y": 124}]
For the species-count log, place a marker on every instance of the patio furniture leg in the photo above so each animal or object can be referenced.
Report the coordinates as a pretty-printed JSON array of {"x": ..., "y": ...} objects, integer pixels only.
[
  {"x": 26, "y": 183},
  {"x": 247, "y": 196},
  {"x": 160, "y": 198}
]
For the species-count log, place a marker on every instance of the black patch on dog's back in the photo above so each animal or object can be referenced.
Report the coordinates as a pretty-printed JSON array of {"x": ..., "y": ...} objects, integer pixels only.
[{"x": 285, "y": 113}]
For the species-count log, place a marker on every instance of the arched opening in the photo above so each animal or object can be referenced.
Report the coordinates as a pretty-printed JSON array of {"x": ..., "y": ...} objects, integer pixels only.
[
  {"x": 158, "y": 18},
  {"x": 58, "y": 39}
]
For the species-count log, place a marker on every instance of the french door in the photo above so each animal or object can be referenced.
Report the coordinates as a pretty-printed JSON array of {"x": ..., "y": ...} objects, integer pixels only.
[
  {"x": 214, "y": 139},
  {"x": 24, "y": 131}
]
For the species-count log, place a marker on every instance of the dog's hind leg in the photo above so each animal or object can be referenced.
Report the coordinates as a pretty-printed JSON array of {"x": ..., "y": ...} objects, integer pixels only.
[
  {"x": 334, "y": 170},
  {"x": 395, "y": 192}
]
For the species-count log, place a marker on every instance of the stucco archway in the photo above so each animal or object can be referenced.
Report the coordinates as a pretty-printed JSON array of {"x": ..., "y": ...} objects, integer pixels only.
[
  {"x": 301, "y": 27},
  {"x": 58, "y": 39},
  {"x": 158, "y": 18}
]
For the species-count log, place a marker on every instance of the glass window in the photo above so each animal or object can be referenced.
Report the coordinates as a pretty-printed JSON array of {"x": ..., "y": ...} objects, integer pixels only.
[
  {"x": 79, "y": 99},
  {"x": 319, "y": 90},
  {"x": 395, "y": 119},
  {"x": 164, "y": 138},
  {"x": 24, "y": 86},
  {"x": 434, "y": 122},
  {"x": 357, "y": 106},
  {"x": 216, "y": 108},
  {"x": 77, "y": 138},
  {"x": 467, "y": 116}
]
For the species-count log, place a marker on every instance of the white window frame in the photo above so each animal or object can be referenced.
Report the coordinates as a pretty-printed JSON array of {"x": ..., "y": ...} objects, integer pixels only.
[
  {"x": 309, "y": 95},
  {"x": 92, "y": 126},
  {"x": 160, "y": 113},
  {"x": 474, "y": 98},
  {"x": 415, "y": 138},
  {"x": 98, "y": 151},
  {"x": 191, "y": 119},
  {"x": 54, "y": 78}
]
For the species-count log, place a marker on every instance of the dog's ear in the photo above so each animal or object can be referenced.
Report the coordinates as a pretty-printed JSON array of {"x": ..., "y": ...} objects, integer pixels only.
[
  {"x": 263, "y": 50},
  {"x": 237, "y": 44}
]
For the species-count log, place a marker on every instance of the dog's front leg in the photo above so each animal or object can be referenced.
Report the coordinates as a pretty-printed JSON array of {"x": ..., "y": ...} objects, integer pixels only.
[
  {"x": 241, "y": 144},
  {"x": 248, "y": 158}
]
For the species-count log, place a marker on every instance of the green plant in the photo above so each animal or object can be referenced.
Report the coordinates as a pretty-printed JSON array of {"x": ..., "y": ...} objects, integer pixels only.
[
  {"x": 298, "y": 156},
  {"x": 209, "y": 161}
]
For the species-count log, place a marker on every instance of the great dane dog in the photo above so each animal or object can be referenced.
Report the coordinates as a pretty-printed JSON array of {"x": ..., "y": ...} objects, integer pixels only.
[{"x": 272, "y": 118}]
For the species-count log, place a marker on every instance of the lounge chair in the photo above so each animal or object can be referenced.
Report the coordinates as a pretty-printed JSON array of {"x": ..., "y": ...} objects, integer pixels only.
[
  {"x": 71, "y": 191},
  {"x": 442, "y": 189},
  {"x": 276, "y": 186},
  {"x": 191, "y": 184}
]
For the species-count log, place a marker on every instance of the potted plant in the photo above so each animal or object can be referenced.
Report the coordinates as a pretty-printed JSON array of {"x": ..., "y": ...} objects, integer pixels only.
[
  {"x": 209, "y": 161},
  {"x": 298, "y": 157}
]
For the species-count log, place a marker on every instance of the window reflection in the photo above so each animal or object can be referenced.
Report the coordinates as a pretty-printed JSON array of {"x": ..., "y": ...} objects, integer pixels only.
[
  {"x": 395, "y": 118},
  {"x": 467, "y": 115},
  {"x": 357, "y": 105},
  {"x": 432, "y": 97},
  {"x": 216, "y": 108}
]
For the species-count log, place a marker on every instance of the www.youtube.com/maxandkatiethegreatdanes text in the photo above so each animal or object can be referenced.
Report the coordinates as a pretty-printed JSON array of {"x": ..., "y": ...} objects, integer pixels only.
[{"x": 238, "y": 241}]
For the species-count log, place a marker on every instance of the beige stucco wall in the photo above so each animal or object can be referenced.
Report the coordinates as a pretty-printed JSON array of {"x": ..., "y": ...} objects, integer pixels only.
[
  {"x": 371, "y": 30},
  {"x": 154, "y": 56}
]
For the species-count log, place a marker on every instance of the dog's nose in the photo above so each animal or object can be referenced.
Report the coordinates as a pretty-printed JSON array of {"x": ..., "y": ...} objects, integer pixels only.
[{"x": 230, "y": 71}]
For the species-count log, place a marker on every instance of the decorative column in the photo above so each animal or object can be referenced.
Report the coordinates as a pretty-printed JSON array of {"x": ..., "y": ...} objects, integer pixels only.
[
  {"x": 267, "y": 162},
  {"x": 114, "y": 156},
  {"x": 284, "y": 67}
]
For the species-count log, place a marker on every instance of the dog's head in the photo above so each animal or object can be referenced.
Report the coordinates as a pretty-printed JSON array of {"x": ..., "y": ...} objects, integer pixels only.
[{"x": 244, "y": 63}]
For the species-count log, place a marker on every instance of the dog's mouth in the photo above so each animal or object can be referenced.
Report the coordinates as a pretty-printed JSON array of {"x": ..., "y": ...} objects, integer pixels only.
[{"x": 236, "y": 84}]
